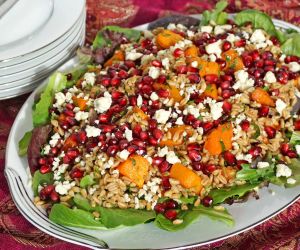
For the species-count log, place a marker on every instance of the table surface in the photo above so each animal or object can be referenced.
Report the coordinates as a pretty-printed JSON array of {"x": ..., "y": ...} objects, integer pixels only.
[{"x": 281, "y": 232}]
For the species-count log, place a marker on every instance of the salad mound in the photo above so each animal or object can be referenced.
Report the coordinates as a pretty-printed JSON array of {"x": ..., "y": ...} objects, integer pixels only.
[{"x": 168, "y": 124}]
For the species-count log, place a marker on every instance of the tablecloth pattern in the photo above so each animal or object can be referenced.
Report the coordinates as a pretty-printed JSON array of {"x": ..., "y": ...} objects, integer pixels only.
[{"x": 281, "y": 232}]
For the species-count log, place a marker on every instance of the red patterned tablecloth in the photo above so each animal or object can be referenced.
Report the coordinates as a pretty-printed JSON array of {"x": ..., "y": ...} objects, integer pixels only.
[{"x": 281, "y": 232}]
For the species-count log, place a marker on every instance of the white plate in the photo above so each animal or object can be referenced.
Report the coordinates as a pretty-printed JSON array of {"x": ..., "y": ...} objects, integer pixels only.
[
  {"x": 146, "y": 236},
  {"x": 35, "y": 58},
  {"x": 65, "y": 15},
  {"x": 16, "y": 28},
  {"x": 40, "y": 63}
]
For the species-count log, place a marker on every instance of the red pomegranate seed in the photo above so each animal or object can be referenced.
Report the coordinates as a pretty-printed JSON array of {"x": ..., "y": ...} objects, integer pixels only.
[
  {"x": 227, "y": 106},
  {"x": 282, "y": 77},
  {"x": 255, "y": 55},
  {"x": 181, "y": 69},
  {"x": 207, "y": 201},
  {"x": 42, "y": 161},
  {"x": 139, "y": 143},
  {"x": 132, "y": 148},
  {"x": 270, "y": 62},
  {"x": 137, "y": 129},
  {"x": 221, "y": 62},
  {"x": 147, "y": 89},
  {"x": 197, "y": 166},
  {"x": 260, "y": 63},
  {"x": 112, "y": 150},
  {"x": 54, "y": 196},
  {"x": 229, "y": 158},
  {"x": 171, "y": 214},
  {"x": 70, "y": 113},
  {"x": 240, "y": 163},
  {"x": 48, "y": 189},
  {"x": 289, "y": 59},
  {"x": 161, "y": 79},
  {"x": 240, "y": 43},
  {"x": 157, "y": 160},
  {"x": 66, "y": 160},
  {"x": 255, "y": 151},
  {"x": 297, "y": 125},
  {"x": 227, "y": 78},
  {"x": 133, "y": 100},
  {"x": 178, "y": 52},
  {"x": 129, "y": 64},
  {"x": 263, "y": 111},
  {"x": 146, "y": 42},
  {"x": 70, "y": 120},
  {"x": 153, "y": 141},
  {"x": 72, "y": 153},
  {"x": 171, "y": 204},
  {"x": 275, "y": 92},
  {"x": 152, "y": 123},
  {"x": 144, "y": 135},
  {"x": 225, "y": 85},
  {"x": 164, "y": 166},
  {"x": 54, "y": 151},
  {"x": 271, "y": 132},
  {"x": 157, "y": 133},
  {"x": 115, "y": 95},
  {"x": 43, "y": 196},
  {"x": 156, "y": 63},
  {"x": 105, "y": 82},
  {"x": 245, "y": 125},
  {"x": 207, "y": 126},
  {"x": 247, "y": 60},
  {"x": 160, "y": 208},
  {"x": 123, "y": 144},
  {"x": 194, "y": 155},
  {"x": 292, "y": 154},
  {"x": 122, "y": 74},
  {"x": 211, "y": 78},
  {"x": 193, "y": 146},
  {"x": 209, "y": 168},
  {"x": 226, "y": 46},
  {"x": 104, "y": 118},
  {"x": 285, "y": 147},
  {"x": 76, "y": 173},
  {"x": 267, "y": 55},
  {"x": 275, "y": 41},
  {"x": 194, "y": 78},
  {"x": 122, "y": 102},
  {"x": 163, "y": 93},
  {"x": 165, "y": 182},
  {"x": 45, "y": 169},
  {"x": 227, "y": 93}
]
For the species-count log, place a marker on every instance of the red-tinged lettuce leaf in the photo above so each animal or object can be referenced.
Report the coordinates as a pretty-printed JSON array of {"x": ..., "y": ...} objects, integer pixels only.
[{"x": 38, "y": 139}]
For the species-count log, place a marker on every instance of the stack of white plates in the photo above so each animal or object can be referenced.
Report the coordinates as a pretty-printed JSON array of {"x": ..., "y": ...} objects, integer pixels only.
[{"x": 38, "y": 36}]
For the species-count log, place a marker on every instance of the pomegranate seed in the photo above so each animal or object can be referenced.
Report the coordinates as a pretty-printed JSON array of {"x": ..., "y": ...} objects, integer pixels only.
[
  {"x": 270, "y": 62},
  {"x": 258, "y": 73},
  {"x": 76, "y": 173},
  {"x": 43, "y": 195},
  {"x": 157, "y": 133},
  {"x": 240, "y": 163},
  {"x": 137, "y": 129},
  {"x": 70, "y": 106},
  {"x": 181, "y": 69},
  {"x": 160, "y": 208},
  {"x": 165, "y": 182},
  {"x": 157, "y": 160},
  {"x": 275, "y": 41},
  {"x": 227, "y": 78},
  {"x": 271, "y": 132},
  {"x": 45, "y": 169},
  {"x": 221, "y": 62},
  {"x": 115, "y": 95},
  {"x": 197, "y": 166},
  {"x": 267, "y": 55},
  {"x": 207, "y": 126},
  {"x": 123, "y": 102},
  {"x": 105, "y": 82},
  {"x": 240, "y": 43},
  {"x": 207, "y": 201},
  {"x": 54, "y": 196},
  {"x": 68, "y": 112},
  {"x": 42, "y": 161},
  {"x": 70, "y": 120},
  {"x": 132, "y": 148},
  {"x": 194, "y": 155},
  {"x": 156, "y": 63},
  {"x": 227, "y": 93},
  {"x": 225, "y": 85},
  {"x": 112, "y": 150},
  {"x": 245, "y": 125},
  {"x": 209, "y": 168},
  {"x": 226, "y": 46},
  {"x": 229, "y": 158},
  {"x": 123, "y": 144},
  {"x": 146, "y": 42},
  {"x": 171, "y": 204},
  {"x": 66, "y": 160},
  {"x": 48, "y": 189},
  {"x": 211, "y": 78},
  {"x": 104, "y": 118},
  {"x": 247, "y": 60},
  {"x": 148, "y": 80},
  {"x": 282, "y": 77},
  {"x": 163, "y": 93},
  {"x": 285, "y": 147},
  {"x": 144, "y": 135},
  {"x": 171, "y": 214},
  {"x": 292, "y": 154},
  {"x": 153, "y": 141},
  {"x": 139, "y": 143},
  {"x": 255, "y": 151},
  {"x": 193, "y": 146},
  {"x": 164, "y": 166},
  {"x": 69, "y": 76},
  {"x": 54, "y": 151},
  {"x": 192, "y": 69},
  {"x": 260, "y": 63},
  {"x": 263, "y": 111},
  {"x": 227, "y": 106},
  {"x": 178, "y": 52},
  {"x": 255, "y": 55},
  {"x": 122, "y": 74},
  {"x": 152, "y": 124},
  {"x": 72, "y": 153},
  {"x": 297, "y": 125},
  {"x": 194, "y": 78},
  {"x": 289, "y": 59},
  {"x": 275, "y": 92},
  {"x": 162, "y": 79},
  {"x": 112, "y": 141},
  {"x": 212, "y": 40}
]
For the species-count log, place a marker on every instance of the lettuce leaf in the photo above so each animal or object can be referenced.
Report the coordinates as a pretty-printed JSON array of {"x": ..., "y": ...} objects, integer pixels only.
[
  {"x": 41, "y": 115},
  {"x": 216, "y": 15},
  {"x": 220, "y": 195},
  {"x": 295, "y": 167},
  {"x": 292, "y": 45},
  {"x": 39, "y": 179},
  {"x": 295, "y": 138},
  {"x": 24, "y": 142},
  {"x": 86, "y": 181}
]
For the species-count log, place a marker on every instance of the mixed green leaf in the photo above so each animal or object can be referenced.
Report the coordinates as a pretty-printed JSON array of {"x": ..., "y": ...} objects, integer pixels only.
[
  {"x": 24, "y": 142},
  {"x": 40, "y": 179},
  {"x": 217, "y": 15}
]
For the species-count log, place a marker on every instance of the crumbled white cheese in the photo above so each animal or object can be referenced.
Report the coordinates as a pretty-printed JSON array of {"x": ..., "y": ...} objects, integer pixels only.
[
  {"x": 243, "y": 81},
  {"x": 54, "y": 139},
  {"x": 47, "y": 149},
  {"x": 133, "y": 55},
  {"x": 194, "y": 64},
  {"x": 172, "y": 157},
  {"x": 280, "y": 106},
  {"x": 126, "y": 198},
  {"x": 190, "y": 33},
  {"x": 258, "y": 36},
  {"x": 124, "y": 154},
  {"x": 270, "y": 77},
  {"x": 207, "y": 29},
  {"x": 171, "y": 26},
  {"x": 162, "y": 116},
  {"x": 154, "y": 72},
  {"x": 282, "y": 58},
  {"x": 139, "y": 101},
  {"x": 232, "y": 38},
  {"x": 294, "y": 66},
  {"x": 245, "y": 35},
  {"x": 297, "y": 149},
  {"x": 283, "y": 170},
  {"x": 60, "y": 99},
  {"x": 193, "y": 111},
  {"x": 92, "y": 131},
  {"x": 128, "y": 134},
  {"x": 63, "y": 187},
  {"x": 291, "y": 181},
  {"x": 166, "y": 63},
  {"x": 212, "y": 58},
  {"x": 154, "y": 96},
  {"x": 214, "y": 48},
  {"x": 103, "y": 104},
  {"x": 179, "y": 121},
  {"x": 90, "y": 78},
  {"x": 220, "y": 29},
  {"x": 263, "y": 164},
  {"x": 81, "y": 115},
  {"x": 216, "y": 110},
  {"x": 161, "y": 152}
]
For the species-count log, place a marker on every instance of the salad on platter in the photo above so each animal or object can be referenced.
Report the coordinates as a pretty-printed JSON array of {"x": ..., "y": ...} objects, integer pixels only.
[{"x": 168, "y": 124}]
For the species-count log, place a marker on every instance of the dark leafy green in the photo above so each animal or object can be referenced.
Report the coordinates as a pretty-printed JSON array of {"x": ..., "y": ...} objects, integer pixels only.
[
  {"x": 39, "y": 179},
  {"x": 24, "y": 142},
  {"x": 295, "y": 138},
  {"x": 220, "y": 195},
  {"x": 188, "y": 200},
  {"x": 114, "y": 217},
  {"x": 63, "y": 215},
  {"x": 295, "y": 167},
  {"x": 255, "y": 175},
  {"x": 87, "y": 181},
  {"x": 292, "y": 45},
  {"x": 83, "y": 203},
  {"x": 216, "y": 15},
  {"x": 76, "y": 73}
]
